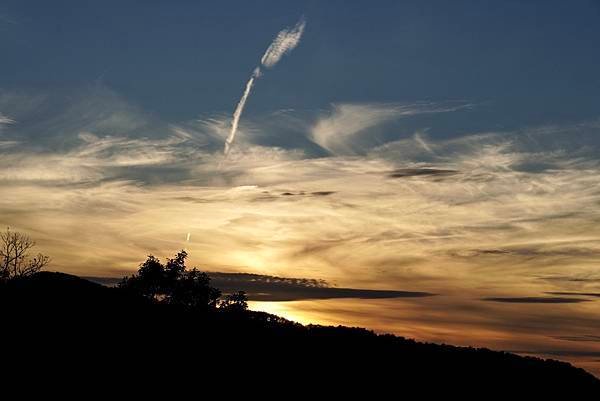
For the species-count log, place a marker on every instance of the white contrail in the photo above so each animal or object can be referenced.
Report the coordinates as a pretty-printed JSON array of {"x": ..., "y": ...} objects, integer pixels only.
[
  {"x": 284, "y": 42},
  {"x": 238, "y": 110},
  {"x": 187, "y": 241},
  {"x": 422, "y": 142}
]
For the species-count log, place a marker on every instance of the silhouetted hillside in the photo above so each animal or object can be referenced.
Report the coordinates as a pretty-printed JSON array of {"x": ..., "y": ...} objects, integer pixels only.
[{"x": 62, "y": 316}]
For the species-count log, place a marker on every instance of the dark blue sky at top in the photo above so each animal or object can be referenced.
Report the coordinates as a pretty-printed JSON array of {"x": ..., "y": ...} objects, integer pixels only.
[{"x": 522, "y": 62}]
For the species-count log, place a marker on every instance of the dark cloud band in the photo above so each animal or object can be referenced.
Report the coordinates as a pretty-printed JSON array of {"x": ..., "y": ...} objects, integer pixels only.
[
  {"x": 271, "y": 288},
  {"x": 535, "y": 300}
]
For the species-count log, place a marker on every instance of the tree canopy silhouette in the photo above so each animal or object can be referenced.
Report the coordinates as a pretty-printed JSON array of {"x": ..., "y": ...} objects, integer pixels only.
[
  {"x": 15, "y": 259},
  {"x": 236, "y": 302},
  {"x": 172, "y": 283}
]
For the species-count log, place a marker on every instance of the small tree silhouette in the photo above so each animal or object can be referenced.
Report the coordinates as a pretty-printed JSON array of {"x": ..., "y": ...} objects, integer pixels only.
[
  {"x": 149, "y": 281},
  {"x": 238, "y": 301},
  {"x": 172, "y": 283},
  {"x": 15, "y": 260}
]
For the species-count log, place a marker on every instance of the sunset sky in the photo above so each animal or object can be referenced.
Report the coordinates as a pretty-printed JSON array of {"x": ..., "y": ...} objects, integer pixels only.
[{"x": 450, "y": 148}]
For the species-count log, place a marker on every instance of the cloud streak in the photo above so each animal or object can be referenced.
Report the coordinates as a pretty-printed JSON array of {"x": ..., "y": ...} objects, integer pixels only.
[
  {"x": 260, "y": 287},
  {"x": 348, "y": 128},
  {"x": 237, "y": 114},
  {"x": 536, "y": 300},
  {"x": 4, "y": 120},
  {"x": 270, "y": 288},
  {"x": 285, "y": 41}
]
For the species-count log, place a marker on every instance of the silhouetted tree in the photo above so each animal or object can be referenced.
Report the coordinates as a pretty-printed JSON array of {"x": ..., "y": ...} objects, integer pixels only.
[
  {"x": 149, "y": 281},
  {"x": 238, "y": 301},
  {"x": 15, "y": 260},
  {"x": 175, "y": 268},
  {"x": 172, "y": 283},
  {"x": 193, "y": 289}
]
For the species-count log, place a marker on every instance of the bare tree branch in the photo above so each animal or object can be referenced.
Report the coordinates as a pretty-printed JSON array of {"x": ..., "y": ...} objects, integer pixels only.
[{"x": 14, "y": 256}]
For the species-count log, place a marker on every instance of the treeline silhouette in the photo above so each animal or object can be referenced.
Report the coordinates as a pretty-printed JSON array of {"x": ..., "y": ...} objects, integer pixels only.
[
  {"x": 167, "y": 315},
  {"x": 174, "y": 284}
]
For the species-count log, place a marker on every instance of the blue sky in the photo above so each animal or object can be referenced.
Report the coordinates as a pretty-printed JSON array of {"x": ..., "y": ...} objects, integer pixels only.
[{"x": 522, "y": 62}]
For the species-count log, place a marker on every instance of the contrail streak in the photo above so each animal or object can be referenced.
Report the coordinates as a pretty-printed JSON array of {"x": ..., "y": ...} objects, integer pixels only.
[
  {"x": 238, "y": 110},
  {"x": 284, "y": 42},
  {"x": 187, "y": 240}
]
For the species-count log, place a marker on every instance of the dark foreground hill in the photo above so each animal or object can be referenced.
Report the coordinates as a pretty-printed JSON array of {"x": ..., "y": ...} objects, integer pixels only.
[{"x": 57, "y": 317}]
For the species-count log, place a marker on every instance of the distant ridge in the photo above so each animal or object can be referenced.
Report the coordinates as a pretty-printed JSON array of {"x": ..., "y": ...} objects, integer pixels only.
[{"x": 73, "y": 314}]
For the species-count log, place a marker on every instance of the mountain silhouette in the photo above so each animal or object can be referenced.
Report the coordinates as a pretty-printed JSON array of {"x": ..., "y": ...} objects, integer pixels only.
[{"x": 64, "y": 317}]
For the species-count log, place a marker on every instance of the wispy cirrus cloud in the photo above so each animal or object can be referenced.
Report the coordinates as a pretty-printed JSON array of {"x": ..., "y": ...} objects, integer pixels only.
[
  {"x": 5, "y": 121},
  {"x": 95, "y": 159},
  {"x": 339, "y": 131}
]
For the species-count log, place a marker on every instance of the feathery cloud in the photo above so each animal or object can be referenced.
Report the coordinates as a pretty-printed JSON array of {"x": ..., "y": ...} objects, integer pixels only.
[{"x": 349, "y": 127}]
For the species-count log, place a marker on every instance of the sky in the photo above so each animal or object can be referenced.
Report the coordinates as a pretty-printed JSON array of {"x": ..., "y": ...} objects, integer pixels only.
[{"x": 448, "y": 150}]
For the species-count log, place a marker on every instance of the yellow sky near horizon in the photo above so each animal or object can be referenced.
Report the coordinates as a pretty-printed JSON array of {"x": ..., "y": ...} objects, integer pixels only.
[{"x": 468, "y": 227}]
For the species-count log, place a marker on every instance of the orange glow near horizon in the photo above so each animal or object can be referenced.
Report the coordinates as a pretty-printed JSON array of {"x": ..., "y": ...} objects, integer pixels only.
[
  {"x": 468, "y": 228},
  {"x": 451, "y": 327}
]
